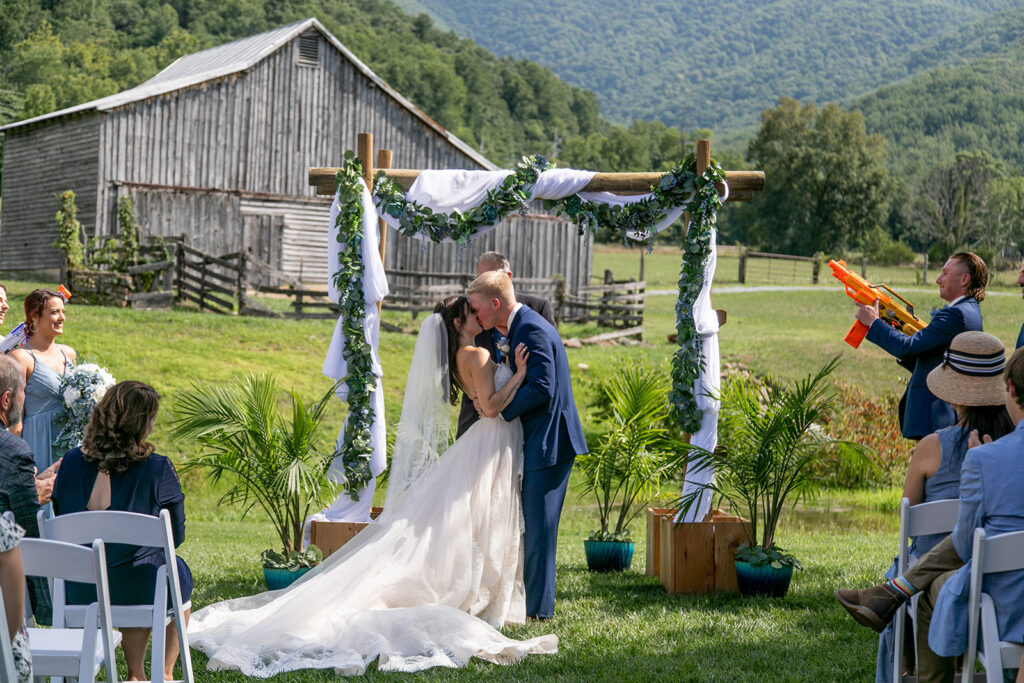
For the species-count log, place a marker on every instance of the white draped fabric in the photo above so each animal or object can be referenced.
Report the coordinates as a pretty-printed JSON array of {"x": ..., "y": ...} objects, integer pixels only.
[
  {"x": 375, "y": 288},
  {"x": 705, "y": 389}
]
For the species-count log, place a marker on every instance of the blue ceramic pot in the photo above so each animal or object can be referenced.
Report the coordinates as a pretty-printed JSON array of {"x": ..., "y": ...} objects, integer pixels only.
[
  {"x": 765, "y": 580},
  {"x": 281, "y": 578},
  {"x": 608, "y": 556}
]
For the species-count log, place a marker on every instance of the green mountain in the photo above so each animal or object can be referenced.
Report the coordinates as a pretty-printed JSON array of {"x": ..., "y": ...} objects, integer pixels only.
[{"x": 717, "y": 65}]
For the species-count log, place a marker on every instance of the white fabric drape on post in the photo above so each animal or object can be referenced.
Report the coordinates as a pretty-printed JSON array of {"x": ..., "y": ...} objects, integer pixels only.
[
  {"x": 705, "y": 389},
  {"x": 375, "y": 288}
]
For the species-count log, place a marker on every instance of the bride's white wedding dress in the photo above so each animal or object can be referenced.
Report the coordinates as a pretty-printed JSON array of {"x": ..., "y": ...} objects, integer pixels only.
[{"x": 427, "y": 584}]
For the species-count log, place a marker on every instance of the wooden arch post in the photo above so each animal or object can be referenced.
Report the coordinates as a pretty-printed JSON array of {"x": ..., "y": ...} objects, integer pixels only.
[{"x": 364, "y": 152}]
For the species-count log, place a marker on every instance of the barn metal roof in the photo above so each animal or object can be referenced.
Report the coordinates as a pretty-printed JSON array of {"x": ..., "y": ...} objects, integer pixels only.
[{"x": 234, "y": 57}]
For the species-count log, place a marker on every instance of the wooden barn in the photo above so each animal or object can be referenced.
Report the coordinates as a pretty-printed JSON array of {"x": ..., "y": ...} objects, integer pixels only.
[{"x": 217, "y": 145}]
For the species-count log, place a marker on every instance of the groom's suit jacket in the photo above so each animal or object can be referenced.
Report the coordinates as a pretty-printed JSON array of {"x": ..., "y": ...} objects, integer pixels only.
[
  {"x": 544, "y": 404},
  {"x": 485, "y": 340}
]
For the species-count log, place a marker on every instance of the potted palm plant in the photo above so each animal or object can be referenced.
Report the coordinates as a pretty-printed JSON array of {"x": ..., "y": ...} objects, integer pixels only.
[
  {"x": 633, "y": 457},
  {"x": 770, "y": 445},
  {"x": 273, "y": 461}
]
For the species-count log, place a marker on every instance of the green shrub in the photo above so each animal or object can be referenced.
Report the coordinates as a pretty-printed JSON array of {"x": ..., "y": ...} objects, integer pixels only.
[
  {"x": 69, "y": 231},
  {"x": 882, "y": 249}
]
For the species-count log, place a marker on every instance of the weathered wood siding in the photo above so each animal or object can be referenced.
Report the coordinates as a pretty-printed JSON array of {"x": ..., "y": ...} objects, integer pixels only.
[
  {"x": 210, "y": 219},
  {"x": 40, "y": 164}
]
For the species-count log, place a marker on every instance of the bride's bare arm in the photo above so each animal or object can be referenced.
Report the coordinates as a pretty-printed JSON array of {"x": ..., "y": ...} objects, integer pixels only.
[{"x": 476, "y": 368}]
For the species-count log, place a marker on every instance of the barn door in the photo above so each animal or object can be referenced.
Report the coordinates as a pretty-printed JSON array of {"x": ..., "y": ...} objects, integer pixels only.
[{"x": 263, "y": 235}]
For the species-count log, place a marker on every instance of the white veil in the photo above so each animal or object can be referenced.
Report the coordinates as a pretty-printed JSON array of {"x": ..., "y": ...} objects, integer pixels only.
[{"x": 422, "y": 434}]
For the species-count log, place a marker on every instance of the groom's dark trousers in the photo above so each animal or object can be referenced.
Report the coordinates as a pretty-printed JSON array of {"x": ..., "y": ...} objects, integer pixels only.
[{"x": 552, "y": 438}]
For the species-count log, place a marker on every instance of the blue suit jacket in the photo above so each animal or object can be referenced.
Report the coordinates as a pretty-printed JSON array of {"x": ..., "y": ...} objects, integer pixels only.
[
  {"x": 991, "y": 486},
  {"x": 922, "y": 413},
  {"x": 1020, "y": 338},
  {"x": 544, "y": 403}
]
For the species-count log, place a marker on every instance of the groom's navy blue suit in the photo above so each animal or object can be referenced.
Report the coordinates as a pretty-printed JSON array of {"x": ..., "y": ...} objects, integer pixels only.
[{"x": 552, "y": 438}]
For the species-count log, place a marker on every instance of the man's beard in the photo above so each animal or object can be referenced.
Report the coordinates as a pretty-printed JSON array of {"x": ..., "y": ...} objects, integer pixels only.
[{"x": 16, "y": 414}]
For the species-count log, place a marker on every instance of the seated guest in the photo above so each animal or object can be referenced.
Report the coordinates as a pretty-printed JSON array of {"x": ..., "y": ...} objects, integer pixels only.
[
  {"x": 979, "y": 399},
  {"x": 991, "y": 482},
  {"x": 12, "y": 586},
  {"x": 3, "y": 303},
  {"x": 21, "y": 491},
  {"x": 116, "y": 469}
]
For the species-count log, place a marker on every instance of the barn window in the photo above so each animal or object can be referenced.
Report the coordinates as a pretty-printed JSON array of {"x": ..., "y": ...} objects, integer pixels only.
[{"x": 309, "y": 49}]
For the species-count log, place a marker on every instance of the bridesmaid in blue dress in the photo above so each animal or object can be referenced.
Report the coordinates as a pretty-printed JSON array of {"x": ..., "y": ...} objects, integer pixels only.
[
  {"x": 115, "y": 468},
  {"x": 45, "y": 362}
]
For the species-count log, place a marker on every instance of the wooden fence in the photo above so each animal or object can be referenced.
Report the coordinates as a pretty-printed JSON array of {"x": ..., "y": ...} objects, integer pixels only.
[
  {"x": 779, "y": 268},
  {"x": 617, "y": 304}
]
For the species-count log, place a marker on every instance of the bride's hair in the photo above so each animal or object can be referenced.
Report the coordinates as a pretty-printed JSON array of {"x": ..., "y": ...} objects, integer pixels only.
[{"x": 451, "y": 309}]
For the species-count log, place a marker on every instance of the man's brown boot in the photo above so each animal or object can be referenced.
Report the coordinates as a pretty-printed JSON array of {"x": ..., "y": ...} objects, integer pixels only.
[{"x": 872, "y": 607}]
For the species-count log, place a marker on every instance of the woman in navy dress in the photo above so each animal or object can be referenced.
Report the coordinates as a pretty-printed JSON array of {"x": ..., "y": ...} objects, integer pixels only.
[{"x": 115, "y": 468}]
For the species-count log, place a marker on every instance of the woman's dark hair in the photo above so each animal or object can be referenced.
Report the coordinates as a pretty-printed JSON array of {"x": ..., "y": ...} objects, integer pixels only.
[
  {"x": 35, "y": 304},
  {"x": 114, "y": 436},
  {"x": 451, "y": 309},
  {"x": 992, "y": 421}
]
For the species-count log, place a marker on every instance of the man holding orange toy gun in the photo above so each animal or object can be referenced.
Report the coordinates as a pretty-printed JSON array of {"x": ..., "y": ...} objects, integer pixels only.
[{"x": 962, "y": 284}]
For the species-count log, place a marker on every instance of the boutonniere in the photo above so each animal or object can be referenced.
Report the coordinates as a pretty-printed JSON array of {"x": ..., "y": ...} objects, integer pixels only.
[
  {"x": 934, "y": 311},
  {"x": 503, "y": 349}
]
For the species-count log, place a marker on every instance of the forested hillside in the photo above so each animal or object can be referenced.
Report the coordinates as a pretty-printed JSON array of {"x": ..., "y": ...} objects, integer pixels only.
[{"x": 717, "y": 65}]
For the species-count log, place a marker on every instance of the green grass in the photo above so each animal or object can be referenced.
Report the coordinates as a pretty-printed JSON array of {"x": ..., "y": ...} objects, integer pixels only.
[{"x": 612, "y": 627}]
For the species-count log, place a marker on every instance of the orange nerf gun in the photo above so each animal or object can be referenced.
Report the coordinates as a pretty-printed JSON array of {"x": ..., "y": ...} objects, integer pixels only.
[{"x": 900, "y": 316}]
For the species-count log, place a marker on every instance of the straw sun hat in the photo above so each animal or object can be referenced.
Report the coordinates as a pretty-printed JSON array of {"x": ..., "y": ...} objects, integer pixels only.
[{"x": 971, "y": 373}]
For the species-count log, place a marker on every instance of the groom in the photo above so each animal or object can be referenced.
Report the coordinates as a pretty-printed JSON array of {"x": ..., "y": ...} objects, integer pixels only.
[{"x": 553, "y": 436}]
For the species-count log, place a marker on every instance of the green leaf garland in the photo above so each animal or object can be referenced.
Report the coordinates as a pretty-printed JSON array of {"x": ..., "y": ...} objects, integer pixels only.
[
  {"x": 698, "y": 194},
  {"x": 355, "y": 449},
  {"x": 415, "y": 219}
]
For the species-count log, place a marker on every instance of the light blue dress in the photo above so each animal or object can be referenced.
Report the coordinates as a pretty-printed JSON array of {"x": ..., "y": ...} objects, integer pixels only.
[
  {"x": 943, "y": 485},
  {"x": 43, "y": 405}
]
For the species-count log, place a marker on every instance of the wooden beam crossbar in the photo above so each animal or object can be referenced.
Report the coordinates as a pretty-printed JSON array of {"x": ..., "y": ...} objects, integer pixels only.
[{"x": 742, "y": 184}]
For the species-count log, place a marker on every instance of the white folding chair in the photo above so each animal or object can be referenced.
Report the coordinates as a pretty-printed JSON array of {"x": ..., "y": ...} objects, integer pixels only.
[
  {"x": 991, "y": 555},
  {"x": 133, "y": 529},
  {"x": 7, "y": 672},
  {"x": 72, "y": 652},
  {"x": 936, "y": 517},
  {"x": 29, "y": 616}
]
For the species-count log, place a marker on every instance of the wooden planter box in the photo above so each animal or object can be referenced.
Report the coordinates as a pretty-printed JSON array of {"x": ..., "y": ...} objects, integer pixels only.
[
  {"x": 329, "y": 536},
  {"x": 699, "y": 557},
  {"x": 654, "y": 515}
]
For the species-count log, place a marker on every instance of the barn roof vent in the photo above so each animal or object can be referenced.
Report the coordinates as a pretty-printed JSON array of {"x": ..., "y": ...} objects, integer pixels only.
[{"x": 309, "y": 49}]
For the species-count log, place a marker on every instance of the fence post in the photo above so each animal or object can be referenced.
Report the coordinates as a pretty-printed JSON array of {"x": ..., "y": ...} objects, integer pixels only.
[
  {"x": 559, "y": 299},
  {"x": 605, "y": 297},
  {"x": 863, "y": 267},
  {"x": 816, "y": 267},
  {"x": 743, "y": 265},
  {"x": 179, "y": 258},
  {"x": 241, "y": 282},
  {"x": 924, "y": 270}
]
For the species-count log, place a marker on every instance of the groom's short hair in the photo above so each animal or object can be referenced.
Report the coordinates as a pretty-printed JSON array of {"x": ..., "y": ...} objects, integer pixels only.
[{"x": 494, "y": 284}]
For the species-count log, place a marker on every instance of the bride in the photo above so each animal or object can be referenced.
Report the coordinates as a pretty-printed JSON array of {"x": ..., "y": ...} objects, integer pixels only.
[{"x": 430, "y": 581}]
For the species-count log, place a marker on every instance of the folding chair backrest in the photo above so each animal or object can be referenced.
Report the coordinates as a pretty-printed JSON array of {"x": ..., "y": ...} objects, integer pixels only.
[
  {"x": 991, "y": 555},
  {"x": 130, "y": 528},
  {"x": 936, "y": 517},
  {"x": 71, "y": 562},
  {"x": 7, "y": 672}
]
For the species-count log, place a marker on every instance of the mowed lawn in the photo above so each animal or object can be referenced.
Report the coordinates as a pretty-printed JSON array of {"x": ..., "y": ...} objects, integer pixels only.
[{"x": 611, "y": 627}]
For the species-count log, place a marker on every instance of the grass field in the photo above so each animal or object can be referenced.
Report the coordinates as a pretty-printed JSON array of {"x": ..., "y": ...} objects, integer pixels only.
[{"x": 620, "y": 627}]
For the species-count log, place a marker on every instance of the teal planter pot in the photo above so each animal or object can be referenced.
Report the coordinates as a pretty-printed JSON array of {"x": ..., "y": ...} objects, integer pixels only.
[
  {"x": 608, "y": 556},
  {"x": 281, "y": 578},
  {"x": 765, "y": 580}
]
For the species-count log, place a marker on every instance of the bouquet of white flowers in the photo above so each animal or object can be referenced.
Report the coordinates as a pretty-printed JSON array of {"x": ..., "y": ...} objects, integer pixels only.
[{"x": 81, "y": 388}]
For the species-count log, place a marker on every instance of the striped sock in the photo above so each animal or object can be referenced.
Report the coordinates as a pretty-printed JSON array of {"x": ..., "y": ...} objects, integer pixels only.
[{"x": 903, "y": 587}]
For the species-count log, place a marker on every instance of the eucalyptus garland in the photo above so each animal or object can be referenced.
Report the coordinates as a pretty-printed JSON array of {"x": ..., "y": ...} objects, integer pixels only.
[
  {"x": 698, "y": 194},
  {"x": 355, "y": 449},
  {"x": 415, "y": 219}
]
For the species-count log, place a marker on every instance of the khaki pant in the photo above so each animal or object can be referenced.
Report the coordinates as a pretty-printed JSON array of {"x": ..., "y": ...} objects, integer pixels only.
[{"x": 928, "y": 575}]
